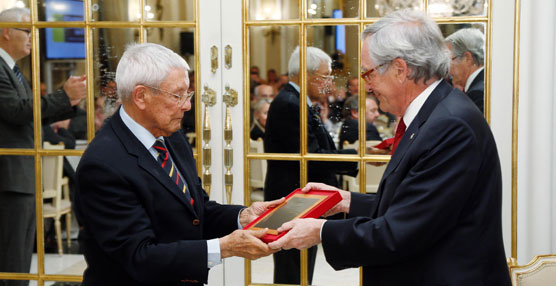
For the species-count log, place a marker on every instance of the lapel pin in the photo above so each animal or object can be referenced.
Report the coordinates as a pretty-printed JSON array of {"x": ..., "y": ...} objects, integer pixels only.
[{"x": 412, "y": 135}]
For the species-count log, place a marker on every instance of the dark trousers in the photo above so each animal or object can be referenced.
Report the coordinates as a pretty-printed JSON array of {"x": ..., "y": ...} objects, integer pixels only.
[
  {"x": 17, "y": 234},
  {"x": 287, "y": 269}
]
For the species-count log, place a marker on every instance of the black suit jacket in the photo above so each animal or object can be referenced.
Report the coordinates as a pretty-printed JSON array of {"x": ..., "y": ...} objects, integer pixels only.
[
  {"x": 17, "y": 173},
  {"x": 282, "y": 136},
  {"x": 476, "y": 91},
  {"x": 436, "y": 219},
  {"x": 350, "y": 132},
  {"x": 138, "y": 227}
]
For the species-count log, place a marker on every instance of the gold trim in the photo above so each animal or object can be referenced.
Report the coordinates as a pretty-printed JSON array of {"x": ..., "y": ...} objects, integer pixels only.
[
  {"x": 488, "y": 63},
  {"x": 515, "y": 113}
]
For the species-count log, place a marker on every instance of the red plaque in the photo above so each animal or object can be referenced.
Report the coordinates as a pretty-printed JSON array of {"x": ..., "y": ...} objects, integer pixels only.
[{"x": 298, "y": 204}]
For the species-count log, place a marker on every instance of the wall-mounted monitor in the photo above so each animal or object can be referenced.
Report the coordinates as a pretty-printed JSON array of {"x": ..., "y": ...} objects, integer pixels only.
[
  {"x": 64, "y": 43},
  {"x": 340, "y": 32}
]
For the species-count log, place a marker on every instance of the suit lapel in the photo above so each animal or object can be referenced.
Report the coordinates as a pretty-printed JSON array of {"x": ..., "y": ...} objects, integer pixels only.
[
  {"x": 145, "y": 160},
  {"x": 24, "y": 91},
  {"x": 412, "y": 132}
]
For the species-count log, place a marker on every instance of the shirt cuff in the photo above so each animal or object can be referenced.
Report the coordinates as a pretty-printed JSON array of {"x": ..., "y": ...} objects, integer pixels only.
[
  {"x": 321, "y": 227},
  {"x": 213, "y": 248},
  {"x": 238, "y": 215}
]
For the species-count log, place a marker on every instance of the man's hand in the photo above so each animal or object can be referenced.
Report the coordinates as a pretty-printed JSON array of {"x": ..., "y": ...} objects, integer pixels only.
[
  {"x": 255, "y": 210},
  {"x": 303, "y": 233},
  {"x": 341, "y": 207},
  {"x": 245, "y": 243},
  {"x": 76, "y": 88}
]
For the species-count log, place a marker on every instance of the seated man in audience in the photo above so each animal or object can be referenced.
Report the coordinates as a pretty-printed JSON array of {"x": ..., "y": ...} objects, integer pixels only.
[
  {"x": 350, "y": 128},
  {"x": 146, "y": 218},
  {"x": 259, "y": 120},
  {"x": 467, "y": 68}
]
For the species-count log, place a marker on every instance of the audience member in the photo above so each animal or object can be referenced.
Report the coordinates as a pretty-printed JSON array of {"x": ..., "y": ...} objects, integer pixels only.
[
  {"x": 468, "y": 57},
  {"x": 350, "y": 128},
  {"x": 352, "y": 86},
  {"x": 260, "y": 115},
  {"x": 17, "y": 173},
  {"x": 254, "y": 78},
  {"x": 282, "y": 136}
]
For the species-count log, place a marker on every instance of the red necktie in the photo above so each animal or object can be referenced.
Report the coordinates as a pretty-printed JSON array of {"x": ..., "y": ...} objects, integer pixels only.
[
  {"x": 168, "y": 165},
  {"x": 399, "y": 134}
]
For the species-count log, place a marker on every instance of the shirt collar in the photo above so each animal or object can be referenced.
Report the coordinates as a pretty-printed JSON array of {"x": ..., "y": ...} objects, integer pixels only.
[
  {"x": 144, "y": 136},
  {"x": 417, "y": 103},
  {"x": 309, "y": 102},
  {"x": 472, "y": 77},
  {"x": 7, "y": 58}
]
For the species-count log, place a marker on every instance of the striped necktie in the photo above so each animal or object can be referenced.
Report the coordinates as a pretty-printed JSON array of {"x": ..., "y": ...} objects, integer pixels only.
[
  {"x": 167, "y": 164},
  {"x": 17, "y": 72}
]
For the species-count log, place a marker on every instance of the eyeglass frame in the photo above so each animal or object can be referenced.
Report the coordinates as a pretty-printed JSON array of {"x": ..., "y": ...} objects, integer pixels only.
[
  {"x": 28, "y": 32},
  {"x": 186, "y": 95},
  {"x": 324, "y": 77},
  {"x": 366, "y": 75}
]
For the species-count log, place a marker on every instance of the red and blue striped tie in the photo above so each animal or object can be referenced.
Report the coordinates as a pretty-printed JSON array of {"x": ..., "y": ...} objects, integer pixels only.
[{"x": 167, "y": 164}]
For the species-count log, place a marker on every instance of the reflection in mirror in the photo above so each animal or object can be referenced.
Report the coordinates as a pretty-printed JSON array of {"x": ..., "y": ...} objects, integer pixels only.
[
  {"x": 349, "y": 131},
  {"x": 332, "y": 9},
  {"x": 17, "y": 213},
  {"x": 329, "y": 87},
  {"x": 19, "y": 282},
  {"x": 61, "y": 10},
  {"x": 326, "y": 275},
  {"x": 182, "y": 42},
  {"x": 262, "y": 270},
  {"x": 379, "y": 8},
  {"x": 63, "y": 68},
  {"x": 273, "y": 9},
  {"x": 169, "y": 10},
  {"x": 108, "y": 47},
  {"x": 257, "y": 174},
  {"x": 451, "y": 8},
  {"x": 115, "y": 10},
  {"x": 466, "y": 43},
  {"x": 374, "y": 173}
]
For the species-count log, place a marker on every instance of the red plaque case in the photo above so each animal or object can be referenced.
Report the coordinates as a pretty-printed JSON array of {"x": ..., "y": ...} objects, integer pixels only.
[{"x": 298, "y": 204}]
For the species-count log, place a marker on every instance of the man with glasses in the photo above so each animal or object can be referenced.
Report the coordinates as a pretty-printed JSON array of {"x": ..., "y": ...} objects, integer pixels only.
[
  {"x": 467, "y": 68},
  {"x": 17, "y": 173},
  {"x": 436, "y": 218},
  {"x": 282, "y": 136},
  {"x": 146, "y": 218}
]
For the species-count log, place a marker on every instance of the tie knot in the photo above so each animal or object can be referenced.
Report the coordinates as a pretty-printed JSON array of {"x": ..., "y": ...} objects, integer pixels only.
[
  {"x": 160, "y": 147},
  {"x": 401, "y": 127},
  {"x": 16, "y": 69}
]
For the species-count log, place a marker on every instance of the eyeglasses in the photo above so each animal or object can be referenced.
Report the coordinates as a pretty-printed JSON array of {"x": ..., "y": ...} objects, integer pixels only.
[
  {"x": 27, "y": 31},
  {"x": 454, "y": 57},
  {"x": 182, "y": 98},
  {"x": 324, "y": 77},
  {"x": 368, "y": 75}
]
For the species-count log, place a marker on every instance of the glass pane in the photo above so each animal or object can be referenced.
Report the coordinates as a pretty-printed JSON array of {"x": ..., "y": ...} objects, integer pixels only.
[
  {"x": 332, "y": 9},
  {"x": 61, "y": 10},
  {"x": 257, "y": 175},
  {"x": 53, "y": 283},
  {"x": 326, "y": 275},
  {"x": 273, "y": 9},
  {"x": 467, "y": 47},
  {"x": 262, "y": 270},
  {"x": 270, "y": 48},
  {"x": 169, "y": 10},
  {"x": 115, "y": 10},
  {"x": 13, "y": 3},
  {"x": 379, "y": 8},
  {"x": 451, "y": 8},
  {"x": 17, "y": 213},
  {"x": 108, "y": 47},
  {"x": 327, "y": 86},
  {"x": 64, "y": 69},
  {"x": 349, "y": 132},
  {"x": 19, "y": 282}
]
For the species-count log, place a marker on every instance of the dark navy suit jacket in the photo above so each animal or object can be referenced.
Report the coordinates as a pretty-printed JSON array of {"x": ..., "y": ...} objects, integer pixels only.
[
  {"x": 436, "y": 219},
  {"x": 476, "y": 91},
  {"x": 138, "y": 227}
]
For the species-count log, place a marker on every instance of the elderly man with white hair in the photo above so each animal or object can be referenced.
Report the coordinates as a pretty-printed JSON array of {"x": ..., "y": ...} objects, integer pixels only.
[
  {"x": 282, "y": 136},
  {"x": 467, "y": 68},
  {"x": 146, "y": 219},
  {"x": 436, "y": 218}
]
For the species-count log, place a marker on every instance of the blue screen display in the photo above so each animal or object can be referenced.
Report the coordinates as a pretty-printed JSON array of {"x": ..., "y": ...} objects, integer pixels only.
[{"x": 64, "y": 43}]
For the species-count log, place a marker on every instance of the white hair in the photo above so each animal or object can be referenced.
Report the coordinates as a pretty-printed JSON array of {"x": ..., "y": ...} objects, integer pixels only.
[
  {"x": 315, "y": 57},
  {"x": 13, "y": 15},
  {"x": 146, "y": 63},
  {"x": 261, "y": 103},
  {"x": 471, "y": 40},
  {"x": 412, "y": 36}
]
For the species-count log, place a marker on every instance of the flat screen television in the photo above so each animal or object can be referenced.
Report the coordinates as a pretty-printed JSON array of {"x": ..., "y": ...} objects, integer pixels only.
[
  {"x": 64, "y": 43},
  {"x": 340, "y": 32}
]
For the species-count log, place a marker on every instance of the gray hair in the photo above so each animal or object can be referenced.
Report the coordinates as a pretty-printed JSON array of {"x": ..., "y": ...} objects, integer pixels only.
[
  {"x": 469, "y": 39},
  {"x": 315, "y": 57},
  {"x": 412, "y": 36},
  {"x": 13, "y": 15},
  {"x": 262, "y": 102},
  {"x": 146, "y": 63},
  {"x": 351, "y": 103}
]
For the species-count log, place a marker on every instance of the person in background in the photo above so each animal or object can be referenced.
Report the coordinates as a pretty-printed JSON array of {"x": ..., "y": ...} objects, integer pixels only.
[
  {"x": 263, "y": 91},
  {"x": 17, "y": 173},
  {"x": 467, "y": 70},
  {"x": 260, "y": 115},
  {"x": 282, "y": 136},
  {"x": 146, "y": 218},
  {"x": 350, "y": 128},
  {"x": 436, "y": 218},
  {"x": 254, "y": 78},
  {"x": 352, "y": 86}
]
